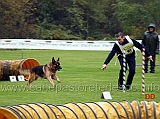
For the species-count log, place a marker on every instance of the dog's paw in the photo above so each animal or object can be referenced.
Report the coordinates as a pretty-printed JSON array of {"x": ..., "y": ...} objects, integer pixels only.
[{"x": 54, "y": 85}]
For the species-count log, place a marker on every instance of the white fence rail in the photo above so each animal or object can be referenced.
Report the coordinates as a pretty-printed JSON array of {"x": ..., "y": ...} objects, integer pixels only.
[{"x": 55, "y": 44}]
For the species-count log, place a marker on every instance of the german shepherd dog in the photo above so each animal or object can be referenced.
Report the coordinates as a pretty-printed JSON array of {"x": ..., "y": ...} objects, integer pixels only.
[{"x": 47, "y": 71}]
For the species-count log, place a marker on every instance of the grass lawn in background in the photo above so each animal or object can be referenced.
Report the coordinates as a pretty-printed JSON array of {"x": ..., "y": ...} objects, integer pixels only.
[{"x": 82, "y": 79}]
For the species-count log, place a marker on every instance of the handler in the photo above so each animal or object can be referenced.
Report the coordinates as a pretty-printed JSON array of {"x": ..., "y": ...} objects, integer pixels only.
[{"x": 127, "y": 44}]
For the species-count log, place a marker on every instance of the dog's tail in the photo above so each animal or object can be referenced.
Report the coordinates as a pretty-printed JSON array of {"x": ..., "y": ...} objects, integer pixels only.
[{"x": 24, "y": 71}]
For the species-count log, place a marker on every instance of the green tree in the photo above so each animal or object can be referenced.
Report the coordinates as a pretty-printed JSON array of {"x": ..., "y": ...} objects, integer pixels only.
[
  {"x": 16, "y": 18},
  {"x": 135, "y": 17},
  {"x": 76, "y": 19}
]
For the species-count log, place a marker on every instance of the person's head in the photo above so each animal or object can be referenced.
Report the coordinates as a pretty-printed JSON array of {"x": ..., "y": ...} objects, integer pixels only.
[
  {"x": 120, "y": 37},
  {"x": 151, "y": 27}
]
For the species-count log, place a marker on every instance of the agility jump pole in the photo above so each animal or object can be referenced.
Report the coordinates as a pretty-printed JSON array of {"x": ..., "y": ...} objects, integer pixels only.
[
  {"x": 143, "y": 70},
  {"x": 124, "y": 70}
]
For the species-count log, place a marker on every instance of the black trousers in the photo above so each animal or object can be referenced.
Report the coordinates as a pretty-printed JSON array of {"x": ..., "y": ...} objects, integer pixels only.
[
  {"x": 131, "y": 65},
  {"x": 152, "y": 64}
]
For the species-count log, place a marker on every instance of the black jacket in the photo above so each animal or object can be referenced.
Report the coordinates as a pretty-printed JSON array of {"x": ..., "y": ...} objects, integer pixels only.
[
  {"x": 117, "y": 50},
  {"x": 151, "y": 40}
]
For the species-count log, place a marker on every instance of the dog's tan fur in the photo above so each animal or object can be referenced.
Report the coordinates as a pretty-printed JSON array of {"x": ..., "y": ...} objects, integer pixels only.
[{"x": 49, "y": 71}]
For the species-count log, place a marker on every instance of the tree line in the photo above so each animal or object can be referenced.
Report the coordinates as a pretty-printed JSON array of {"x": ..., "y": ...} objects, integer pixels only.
[{"x": 77, "y": 19}]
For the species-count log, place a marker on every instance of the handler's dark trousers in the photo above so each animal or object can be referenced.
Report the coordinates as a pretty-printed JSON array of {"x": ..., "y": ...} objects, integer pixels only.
[
  {"x": 131, "y": 63},
  {"x": 152, "y": 64}
]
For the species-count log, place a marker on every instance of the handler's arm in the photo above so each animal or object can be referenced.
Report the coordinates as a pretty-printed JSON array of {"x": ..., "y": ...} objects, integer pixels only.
[
  {"x": 110, "y": 56},
  {"x": 140, "y": 47}
]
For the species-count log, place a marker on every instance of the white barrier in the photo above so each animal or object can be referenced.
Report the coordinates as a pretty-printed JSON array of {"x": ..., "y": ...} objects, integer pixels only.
[{"x": 55, "y": 44}]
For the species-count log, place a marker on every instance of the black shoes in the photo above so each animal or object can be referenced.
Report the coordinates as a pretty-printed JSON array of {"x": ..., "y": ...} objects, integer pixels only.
[
  {"x": 152, "y": 71},
  {"x": 126, "y": 88},
  {"x": 146, "y": 71},
  {"x": 120, "y": 87}
]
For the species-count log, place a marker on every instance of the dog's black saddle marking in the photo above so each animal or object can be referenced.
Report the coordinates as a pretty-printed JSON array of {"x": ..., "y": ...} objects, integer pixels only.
[{"x": 38, "y": 70}]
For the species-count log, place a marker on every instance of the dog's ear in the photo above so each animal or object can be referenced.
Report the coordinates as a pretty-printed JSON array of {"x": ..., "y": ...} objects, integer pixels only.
[
  {"x": 58, "y": 59},
  {"x": 53, "y": 60}
]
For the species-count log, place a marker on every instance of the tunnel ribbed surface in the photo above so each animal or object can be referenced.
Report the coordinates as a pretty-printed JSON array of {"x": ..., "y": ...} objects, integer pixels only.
[
  {"x": 90, "y": 110},
  {"x": 10, "y": 67}
]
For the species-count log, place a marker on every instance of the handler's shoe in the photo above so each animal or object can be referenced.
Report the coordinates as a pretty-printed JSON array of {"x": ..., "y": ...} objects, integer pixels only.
[
  {"x": 127, "y": 87},
  {"x": 120, "y": 87},
  {"x": 152, "y": 71},
  {"x": 146, "y": 71}
]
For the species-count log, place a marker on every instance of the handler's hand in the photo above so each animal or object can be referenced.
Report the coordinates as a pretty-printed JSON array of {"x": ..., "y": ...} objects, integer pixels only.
[
  {"x": 104, "y": 66},
  {"x": 150, "y": 58}
]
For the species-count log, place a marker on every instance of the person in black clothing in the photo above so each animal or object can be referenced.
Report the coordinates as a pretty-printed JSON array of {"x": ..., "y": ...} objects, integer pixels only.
[
  {"x": 150, "y": 40},
  {"x": 125, "y": 43}
]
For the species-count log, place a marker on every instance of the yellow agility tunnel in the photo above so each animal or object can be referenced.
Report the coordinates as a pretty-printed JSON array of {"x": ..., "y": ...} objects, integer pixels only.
[
  {"x": 10, "y": 67},
  {"x": 90, "y": 110}
]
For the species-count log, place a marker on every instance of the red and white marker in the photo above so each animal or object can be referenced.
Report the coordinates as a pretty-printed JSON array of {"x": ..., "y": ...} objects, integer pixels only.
[{"x": 143, "y": 68}]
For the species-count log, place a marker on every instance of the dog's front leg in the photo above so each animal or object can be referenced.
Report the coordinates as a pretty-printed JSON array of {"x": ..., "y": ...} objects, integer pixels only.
[
  {"x": 56, "y": 77},
  {"x": 48, "y": 76},
  {"x": 51, "y": 81}
]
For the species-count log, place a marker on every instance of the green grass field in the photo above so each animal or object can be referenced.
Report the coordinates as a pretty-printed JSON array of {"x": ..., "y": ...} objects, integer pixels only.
[{"x": 82, "y": 79}]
